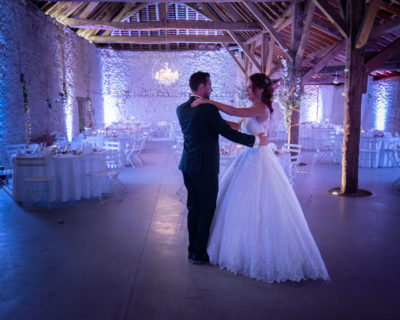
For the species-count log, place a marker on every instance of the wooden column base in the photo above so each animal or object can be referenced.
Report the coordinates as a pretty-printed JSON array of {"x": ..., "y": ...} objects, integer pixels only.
[{"x": 360, "y": 193}]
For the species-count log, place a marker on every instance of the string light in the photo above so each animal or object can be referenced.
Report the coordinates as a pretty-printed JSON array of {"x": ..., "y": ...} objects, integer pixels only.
[
  {"x": 27, "y": 110},
  {"x": 90, "y": 113}
]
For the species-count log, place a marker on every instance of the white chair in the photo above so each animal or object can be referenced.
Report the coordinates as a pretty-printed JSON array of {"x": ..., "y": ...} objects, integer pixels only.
[
  {"x": 396, "y": 156},
  {"x": 112, "y": 146},
  {"x": 128, "y": 151},
  {"x": 113, "y": 163},
  {"x": 369, "y": 152},
  {"x": 5, "y": 176},
  {"x": 325, "y": 143},
  {"x": 12, "y": 151},
  {"x": 295, "y": 152},
  {"x": 136, "y": 151},
  {"x": 38, "y": 182}
]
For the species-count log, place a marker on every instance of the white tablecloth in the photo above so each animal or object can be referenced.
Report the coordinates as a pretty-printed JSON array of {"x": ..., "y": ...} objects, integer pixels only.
[
  {"x": 72, "y": 181},
  {"x": 315, "y": 138},
  {"x": 374, "y": 152}
]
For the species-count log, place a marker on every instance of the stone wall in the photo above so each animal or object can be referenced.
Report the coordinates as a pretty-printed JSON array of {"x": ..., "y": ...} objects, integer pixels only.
[
  {"x": 39, "y": 54},
  {"x": 131, "y": 91},
  {"x": 381, "y": 106}
]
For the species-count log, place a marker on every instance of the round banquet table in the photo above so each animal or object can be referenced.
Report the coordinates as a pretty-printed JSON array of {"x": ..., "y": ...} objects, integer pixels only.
[{"x": 72, "y": 181}]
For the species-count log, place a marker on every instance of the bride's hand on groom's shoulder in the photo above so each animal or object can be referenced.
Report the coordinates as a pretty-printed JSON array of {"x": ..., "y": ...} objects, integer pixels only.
[{"x": 198, "y": 101}]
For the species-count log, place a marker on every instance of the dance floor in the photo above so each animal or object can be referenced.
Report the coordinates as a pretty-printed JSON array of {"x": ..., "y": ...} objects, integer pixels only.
[{"x": 128, "y": 260}]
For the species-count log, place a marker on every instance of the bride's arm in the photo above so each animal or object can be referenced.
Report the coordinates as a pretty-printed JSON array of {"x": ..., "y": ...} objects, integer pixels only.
[
  {"x": 234, "y": 125},
  {"x": 237, "y": 112}
]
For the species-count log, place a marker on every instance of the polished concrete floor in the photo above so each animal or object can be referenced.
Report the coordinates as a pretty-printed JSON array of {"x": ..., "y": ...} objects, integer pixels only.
[{"x": 127, "y": 260}]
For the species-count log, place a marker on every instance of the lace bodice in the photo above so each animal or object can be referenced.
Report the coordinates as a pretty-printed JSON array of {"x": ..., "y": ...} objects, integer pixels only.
[{"x": 252, "y": 126}]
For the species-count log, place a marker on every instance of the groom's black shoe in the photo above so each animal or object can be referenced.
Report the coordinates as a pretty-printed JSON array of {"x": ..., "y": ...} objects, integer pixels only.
[{"x": 199, "y": 258}]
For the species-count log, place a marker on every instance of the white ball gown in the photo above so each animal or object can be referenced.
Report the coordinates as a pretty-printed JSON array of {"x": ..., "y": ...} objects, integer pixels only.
[{"x": 259, "y": 229}]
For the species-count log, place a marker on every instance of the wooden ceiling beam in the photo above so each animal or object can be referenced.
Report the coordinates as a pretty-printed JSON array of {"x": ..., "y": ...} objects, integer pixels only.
[
  {"x": 234, "y": 58},
  {"x": 264, "y": 51},
  {"x": 383, "y": 56},
  {"x": 256, "y": 38},
  {"x": 325, "y": 80},
  {"x": 389, "y": 8},
  {"x": 107, "y": 12},
  {"x": 326, "y": 29},
  {"x": 232, "y": 12},
  {"x": 332, "y": 16},
  {"x": 387, "y": 27},
  {"x": 268, "y": 27},
  {"x": 306, "y": 29},
  {"x": 368, "y": 22},
  {"x": 163, "y": 12},
  {"x": 162, "y": 25},
  {"x": 325, "y": 60},
  {"x": 123, "y": 14},
  {"x": 57, "y": 9},
  {"x": 88, "y": 10},
  {"x": 205, "y": 11},
  {"x": 245, "y": 50},
  {"x": 234, "y": 37},
  {"x": 158, "y": 40},
  {"x": 269, "y": 66},
  {"x": 340, "y": 68},
  {"x": 68, "y": 12},
  {"x": 281, "y": 22}
]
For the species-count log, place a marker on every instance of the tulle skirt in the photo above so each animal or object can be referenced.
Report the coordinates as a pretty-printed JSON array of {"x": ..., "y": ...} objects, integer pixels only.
[{"x": 259, "y": 229}]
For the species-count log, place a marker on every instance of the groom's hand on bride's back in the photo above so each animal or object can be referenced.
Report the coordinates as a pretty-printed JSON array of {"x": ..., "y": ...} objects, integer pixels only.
[{"x": 263, "y": 139}]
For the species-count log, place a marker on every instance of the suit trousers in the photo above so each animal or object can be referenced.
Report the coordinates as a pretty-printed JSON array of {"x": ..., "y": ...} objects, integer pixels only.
[{"x": 201, "y": 203}]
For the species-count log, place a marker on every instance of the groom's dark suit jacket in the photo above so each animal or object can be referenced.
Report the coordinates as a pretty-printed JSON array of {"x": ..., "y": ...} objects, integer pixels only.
[{"x": 201, "y": 126}]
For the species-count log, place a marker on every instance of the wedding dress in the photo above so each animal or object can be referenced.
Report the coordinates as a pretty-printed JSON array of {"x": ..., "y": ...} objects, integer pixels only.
[{"x": 259, "y": 229}]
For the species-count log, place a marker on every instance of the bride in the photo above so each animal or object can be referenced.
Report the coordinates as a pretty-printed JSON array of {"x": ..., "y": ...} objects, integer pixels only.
[{"x": 259, "y": 229}]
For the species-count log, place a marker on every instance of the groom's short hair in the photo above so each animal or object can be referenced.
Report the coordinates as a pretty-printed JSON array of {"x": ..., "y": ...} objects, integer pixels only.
[{"x": 197, "y": 79}]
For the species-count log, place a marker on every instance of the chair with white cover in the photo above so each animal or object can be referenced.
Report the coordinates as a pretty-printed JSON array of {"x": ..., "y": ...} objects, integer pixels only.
[
  {"x": 38, "y": 181},
  {"x": 111, "y": 171}
]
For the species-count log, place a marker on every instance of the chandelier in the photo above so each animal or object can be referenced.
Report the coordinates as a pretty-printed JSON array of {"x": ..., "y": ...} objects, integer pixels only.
[{"x": 165, "y": 74}]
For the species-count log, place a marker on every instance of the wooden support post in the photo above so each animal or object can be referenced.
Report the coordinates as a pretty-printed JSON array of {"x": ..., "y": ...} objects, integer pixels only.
[
  {"x": 297, "y": 30},
  {"x": 264, "y": 52},
  {"x": 268, "y": 68},
  {"x": 252, "y": 48},
  {"x": 352, "y": 102}
]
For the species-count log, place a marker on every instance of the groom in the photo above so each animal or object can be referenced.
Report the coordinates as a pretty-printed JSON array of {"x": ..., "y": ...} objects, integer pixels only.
[{"x": 199, "y": 164}]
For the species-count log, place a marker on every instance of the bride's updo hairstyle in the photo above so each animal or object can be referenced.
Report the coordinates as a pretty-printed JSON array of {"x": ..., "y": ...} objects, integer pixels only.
[{"x": 261, "y": 81}]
